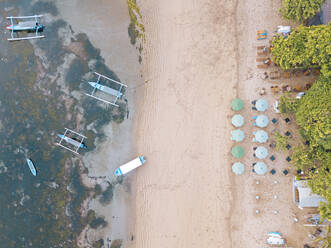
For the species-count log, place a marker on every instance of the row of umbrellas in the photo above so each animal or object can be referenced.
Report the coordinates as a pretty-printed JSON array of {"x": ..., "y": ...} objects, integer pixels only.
[
  {"x": 260, "y": 152},
  {"x": 260, "y": 168},
  {"x": 260, "y": 136},
  {"x": 260, "y": 105},
  {"x": 260, "y": 120}
]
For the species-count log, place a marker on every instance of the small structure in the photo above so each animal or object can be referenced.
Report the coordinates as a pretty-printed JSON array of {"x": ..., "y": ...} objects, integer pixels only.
[
  {"x": 116, "y": 93},
  {"x": 31, "y": 24},
  {"x": 302, "y": 195},
  {"x": 75, "y": 142},
  {"x": 275, "y": 238}
]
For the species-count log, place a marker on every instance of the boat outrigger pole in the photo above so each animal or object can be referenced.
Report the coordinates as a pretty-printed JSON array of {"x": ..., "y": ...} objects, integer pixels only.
[{"x": 28, "y": 25}]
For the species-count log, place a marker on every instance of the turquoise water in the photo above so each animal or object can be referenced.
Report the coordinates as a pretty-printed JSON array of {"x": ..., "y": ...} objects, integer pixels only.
[{"x": 34, "y": 210}]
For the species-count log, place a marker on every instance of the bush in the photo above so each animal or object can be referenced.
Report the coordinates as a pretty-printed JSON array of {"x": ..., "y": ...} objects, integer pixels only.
[
  {"x": 287, "y": 104},
  {"x": 305, "y": 47},
  {"x": 300, "y": 10},
  {"x": 281, "y": 141}
]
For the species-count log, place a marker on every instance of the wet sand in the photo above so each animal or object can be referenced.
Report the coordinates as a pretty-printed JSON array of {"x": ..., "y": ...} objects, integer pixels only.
[
  {"x": 106, "y": 25},
  {"x": 183, "y": 193}
]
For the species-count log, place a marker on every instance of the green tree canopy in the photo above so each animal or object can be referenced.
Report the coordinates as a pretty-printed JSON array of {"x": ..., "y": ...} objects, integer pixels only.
[
  {"x": 305, "y": 47},
  {"x": 300, "y": 10},
  {"x": 313, "y": 114}
]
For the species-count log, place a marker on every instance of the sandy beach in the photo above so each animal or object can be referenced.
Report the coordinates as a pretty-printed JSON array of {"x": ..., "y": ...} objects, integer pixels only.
[
  {"x": 199, "y": 55},
  {"x": 183, "y": 194}
]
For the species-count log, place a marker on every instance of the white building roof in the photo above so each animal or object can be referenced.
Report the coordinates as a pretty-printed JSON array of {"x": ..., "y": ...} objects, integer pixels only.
[{"x": 306, "y": 197}]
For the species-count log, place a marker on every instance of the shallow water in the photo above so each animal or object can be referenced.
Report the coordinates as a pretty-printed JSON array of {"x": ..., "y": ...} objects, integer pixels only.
[{"x": 36, "y": 102}]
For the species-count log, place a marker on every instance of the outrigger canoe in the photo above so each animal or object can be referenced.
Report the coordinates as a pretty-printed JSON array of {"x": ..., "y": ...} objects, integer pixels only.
[{"x": 31, "y": 166}]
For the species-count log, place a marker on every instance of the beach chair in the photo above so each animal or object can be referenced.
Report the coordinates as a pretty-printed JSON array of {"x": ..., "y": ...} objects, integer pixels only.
[
  {"x": 274, "y": 75},
  {"x": 262, "y": 66},
  {"x": 261, "y": 59},
  {"x": 274, "y": 89},
  {"x": 262, "y": 50},
  {"x": 287, "y": 74},
  {"x": 262, "y": 34}
]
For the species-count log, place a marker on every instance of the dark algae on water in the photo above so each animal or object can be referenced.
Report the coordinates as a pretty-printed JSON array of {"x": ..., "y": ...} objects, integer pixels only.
[{"x": 37, "y": 84}]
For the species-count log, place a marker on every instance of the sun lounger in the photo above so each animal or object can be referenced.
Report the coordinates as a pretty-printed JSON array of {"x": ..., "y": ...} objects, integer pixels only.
[
  {"x": 274, "y": 75},
  {"x": 262, "y": 34},
  {"x": 274, "y": 89},
  {"x": 262, "y": 49},
  {"x": 287, "y": 74},
  {"x": 261, "y": 59},
  {"x": 262, "y": 66}
]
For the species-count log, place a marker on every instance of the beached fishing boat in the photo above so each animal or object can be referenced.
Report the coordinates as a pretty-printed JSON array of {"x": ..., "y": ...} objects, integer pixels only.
[
  {"x": 72, "y": 141},
  {"x": 133, "y": 164},
  {"x": 28, "y": 23},
  {"x": 31, "y": 166},
  {"x": 117, "y": 93}
]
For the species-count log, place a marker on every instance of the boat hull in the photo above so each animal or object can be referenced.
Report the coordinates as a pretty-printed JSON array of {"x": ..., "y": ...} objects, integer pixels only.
[
  {"x": 31, "y": 167},
  {"x": 133, "y": 164}
]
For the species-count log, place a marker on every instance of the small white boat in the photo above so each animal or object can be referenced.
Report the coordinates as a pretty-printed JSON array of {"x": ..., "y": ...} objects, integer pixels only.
[
  {"x": 133, "y": 164},
  {"x": 31, "y": 166}
]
